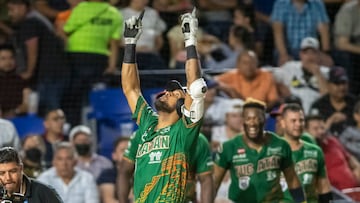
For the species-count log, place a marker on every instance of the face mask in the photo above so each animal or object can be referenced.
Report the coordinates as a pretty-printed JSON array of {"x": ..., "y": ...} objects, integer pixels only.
[
  {"x": 83, "y": 149},
  {"x": 33, "y": 154}
]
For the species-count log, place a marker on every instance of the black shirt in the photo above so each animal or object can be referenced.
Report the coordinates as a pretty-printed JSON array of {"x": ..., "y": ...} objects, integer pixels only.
[
  {"x": 52, "y": 61},
  {"x": 323, "y": 107},
  {"x": 37, "y": 192}
]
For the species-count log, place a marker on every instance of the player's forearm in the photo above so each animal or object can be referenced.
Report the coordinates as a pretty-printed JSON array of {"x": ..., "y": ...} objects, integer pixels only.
[
  {"x": 207, "y": 188},
  {"x": 129, "y": 74},
  {"x": 193, "y": 70},
  {"x": 124, "y": 181}
]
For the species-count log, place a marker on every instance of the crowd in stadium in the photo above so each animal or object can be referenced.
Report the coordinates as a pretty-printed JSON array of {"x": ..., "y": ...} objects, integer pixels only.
[{"x": 284, "y": 54}]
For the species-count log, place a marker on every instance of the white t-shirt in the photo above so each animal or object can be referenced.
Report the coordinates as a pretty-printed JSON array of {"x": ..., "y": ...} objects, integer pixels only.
[{"x": 291, "y": 74}]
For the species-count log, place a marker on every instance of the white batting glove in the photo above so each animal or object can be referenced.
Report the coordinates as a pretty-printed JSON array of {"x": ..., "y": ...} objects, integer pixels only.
[
  {"x": 189, "y": 25},
  {"x": 133, "y": 29}
]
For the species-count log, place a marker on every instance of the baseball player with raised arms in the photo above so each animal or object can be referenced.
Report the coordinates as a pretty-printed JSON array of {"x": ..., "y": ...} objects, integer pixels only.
[{"x": 160, "y": 164}]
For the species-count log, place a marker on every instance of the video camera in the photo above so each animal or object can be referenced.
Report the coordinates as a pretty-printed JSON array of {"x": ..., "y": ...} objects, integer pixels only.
[{"x": 14, "y": 198}]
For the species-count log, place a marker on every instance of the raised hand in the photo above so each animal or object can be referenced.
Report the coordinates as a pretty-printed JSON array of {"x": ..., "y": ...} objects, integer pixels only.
[
  {"x": 133, "y": 28},
  {"x": 189, "y": 25}
]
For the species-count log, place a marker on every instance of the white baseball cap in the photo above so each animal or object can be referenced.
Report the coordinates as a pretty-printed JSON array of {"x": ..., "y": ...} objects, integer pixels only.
[
  {"x": 79, "y": 129},
  {"x": 234, "y": 106},
  {"x": 309, "y": 42}
]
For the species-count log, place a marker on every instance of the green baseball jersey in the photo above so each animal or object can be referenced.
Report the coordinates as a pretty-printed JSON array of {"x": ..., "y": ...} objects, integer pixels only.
[
  {"x": 308, "y": 138},
  {"x": 309, "y": 166},
  {"x": 255, "y": 176},
  {"x": 92, "y": 25},
  {"x": 161, "y": 156},
  {"x": 200, "y": 163}
]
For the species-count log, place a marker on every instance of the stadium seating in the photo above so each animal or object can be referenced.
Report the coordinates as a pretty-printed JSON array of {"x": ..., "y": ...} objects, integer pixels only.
[{"x": 28, "y": 124}]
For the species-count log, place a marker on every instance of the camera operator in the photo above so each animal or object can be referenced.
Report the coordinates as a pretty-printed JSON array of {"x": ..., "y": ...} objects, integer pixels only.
[{"x": 17, "y": 187}]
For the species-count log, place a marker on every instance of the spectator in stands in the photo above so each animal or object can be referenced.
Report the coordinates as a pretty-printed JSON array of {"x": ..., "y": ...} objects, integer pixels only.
[
  {"x": 343, "y": 169},
  {"x": 305, "y": 78},
  {"x": 33, "y": 150},
  {"x": 43, "y": 53},
  {"x": 337, "y": 105},
  {"x": 82, "y": 139},
  {"x": 244, "y": 15},
  {"x": 293, "y": 20},
  {"x": 170, "y": 10},
  {"x": 151, "y": 40},
  {"x": 54, "y": 122},
  {"x": 249, "y": 81},
  {"x": 177, "y": 47},
  {"x": 263, "y": 11},
  {"x": 9, "y": 135},
  {"x": 93, "y": 31},
  {"x": 107, "y": 180},
  {"x": 215, "y": 102},
  {"x": 62, "y": 17},
  {"x": 70, "y": 182},
  {"x": 233, "y": 124},
  {"x": 347, "y": 39},
  {"x": 14, "y": 92},
  {"x": 350, "y": 137},
  {"x": 51, "y": 8},
  {"x": 209, "y": 47},
  {"x": 217, "y": 17}
]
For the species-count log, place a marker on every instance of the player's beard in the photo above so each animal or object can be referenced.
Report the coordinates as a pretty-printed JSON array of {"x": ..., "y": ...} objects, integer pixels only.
[{"x": 162, "y": 106}]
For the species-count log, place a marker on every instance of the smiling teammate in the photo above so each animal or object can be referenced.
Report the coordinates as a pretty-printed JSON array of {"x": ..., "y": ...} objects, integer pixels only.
[{"x": 255, "y": 160}]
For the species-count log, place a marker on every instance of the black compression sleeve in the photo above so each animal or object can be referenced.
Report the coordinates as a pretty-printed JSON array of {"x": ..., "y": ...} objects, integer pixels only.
[
  {"x": 129, "y": 53},
  {"x": 191, "y": 52}
]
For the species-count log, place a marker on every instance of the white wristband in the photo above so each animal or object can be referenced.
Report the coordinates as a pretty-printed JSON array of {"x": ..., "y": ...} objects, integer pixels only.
[{"x": 130, "y": 40}]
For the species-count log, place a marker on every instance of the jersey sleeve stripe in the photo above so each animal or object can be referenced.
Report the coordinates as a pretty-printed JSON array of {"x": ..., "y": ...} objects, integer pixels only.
[{"x": 142, "y": 107}]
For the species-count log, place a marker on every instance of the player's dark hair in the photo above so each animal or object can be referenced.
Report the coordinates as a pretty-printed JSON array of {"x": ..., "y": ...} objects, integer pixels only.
[
  {"x": 315, "y": 117},
  {"x": 257, "y": 105},
  {"x": 293, "y": 107},
  {"x": 8, "y": 155},
  {"x": 120, "y": 140}
]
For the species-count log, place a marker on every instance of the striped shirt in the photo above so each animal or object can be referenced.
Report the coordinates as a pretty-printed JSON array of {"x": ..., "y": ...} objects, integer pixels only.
[{"x": 299, "y": 24}]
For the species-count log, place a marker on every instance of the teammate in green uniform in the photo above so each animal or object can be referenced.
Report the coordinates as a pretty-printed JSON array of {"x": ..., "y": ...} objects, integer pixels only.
[
  {"x": 201, "y": 166},
  {"x": 255, "y": 160},
  {"x": 165, "y": 138},
  {"x": 308, "y": 158}
]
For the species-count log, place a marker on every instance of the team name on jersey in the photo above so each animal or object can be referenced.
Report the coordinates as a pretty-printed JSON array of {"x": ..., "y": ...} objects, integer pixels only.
[
  {"x": 308, "y": 165},
  {"x": 310, "y": 154},
  {"x": 244, "y": 170},
  {"x": 268, "y": 163},
  {"x": 273, "y": 151},
  {"x": 159, "y": 142}
]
